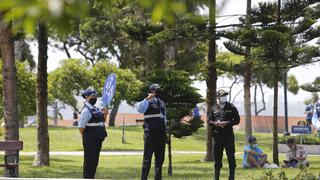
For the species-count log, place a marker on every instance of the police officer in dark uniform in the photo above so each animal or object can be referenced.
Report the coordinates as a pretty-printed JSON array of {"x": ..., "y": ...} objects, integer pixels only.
[
  {"x": 223, "y": 117},
  {"x": 154, "y": 132},
  {"x": 92, "y": 129}
]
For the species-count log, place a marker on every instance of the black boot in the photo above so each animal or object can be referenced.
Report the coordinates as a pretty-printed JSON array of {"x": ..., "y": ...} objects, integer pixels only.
[
  {"x": 231, "y": 174},
  {"x": 216, "y": 175}
]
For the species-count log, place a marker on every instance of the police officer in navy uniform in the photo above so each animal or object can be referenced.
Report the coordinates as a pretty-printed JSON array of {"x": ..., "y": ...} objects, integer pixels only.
[
  {"x": 154, "y": 132},
  {"x": 222, "y": 118},
  {"x": 92, "y": 129}
]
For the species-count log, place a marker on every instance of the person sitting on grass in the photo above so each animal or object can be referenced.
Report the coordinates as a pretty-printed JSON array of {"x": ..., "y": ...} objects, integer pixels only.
[
  {"x": 253, "y": 156},
  {"x": 296, "y": 156}
]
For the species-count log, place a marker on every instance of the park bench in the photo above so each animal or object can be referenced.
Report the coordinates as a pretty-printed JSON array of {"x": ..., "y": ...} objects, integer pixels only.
[
  {"x": 139, "y": 121},
  {"x": 13, "y": 147}
]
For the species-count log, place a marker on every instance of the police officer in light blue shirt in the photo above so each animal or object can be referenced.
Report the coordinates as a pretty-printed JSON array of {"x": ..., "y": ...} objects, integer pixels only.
[
  {"x": 154, "y": 131},
  {"x": 309, "y": 113},
  {"x": 92, "y": 129}
]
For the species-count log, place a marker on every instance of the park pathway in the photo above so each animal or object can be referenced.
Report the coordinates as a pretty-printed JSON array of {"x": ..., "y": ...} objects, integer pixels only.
[
  {"x": 120, "y": 153},
  {"x": 104, "y": 153}
]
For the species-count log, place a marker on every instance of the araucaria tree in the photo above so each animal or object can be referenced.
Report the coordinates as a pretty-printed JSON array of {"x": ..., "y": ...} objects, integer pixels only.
[{"x": 279, "y": 39}]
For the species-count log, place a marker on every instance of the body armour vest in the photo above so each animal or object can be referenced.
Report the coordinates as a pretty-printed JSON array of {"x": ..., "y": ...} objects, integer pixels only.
[
  {"x": 155, "y": 124},
  {"x": 97, "y": 117},
  {"x": 225, "y": 113},
  {"x": 317, "y": 108}
]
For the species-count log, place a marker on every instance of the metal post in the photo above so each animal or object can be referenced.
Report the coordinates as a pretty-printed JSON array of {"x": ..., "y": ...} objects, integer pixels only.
[
  {"x": 55, "y": 115},
  {"x": 285, "y": 101},
  {"x": 123, "y": 139}
]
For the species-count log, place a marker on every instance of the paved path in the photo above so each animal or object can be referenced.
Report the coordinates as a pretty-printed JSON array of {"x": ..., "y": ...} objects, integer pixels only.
[
  {"x": 103, "y": 153},
  {"x": 119, "y": 153},
  {"x": 7, "y": 178}
]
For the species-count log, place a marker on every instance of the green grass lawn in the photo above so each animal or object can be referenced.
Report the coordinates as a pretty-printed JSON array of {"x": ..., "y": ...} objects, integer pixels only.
[
  {"x": 129, "y": 167},
  {"x": 69, "y": 139}
]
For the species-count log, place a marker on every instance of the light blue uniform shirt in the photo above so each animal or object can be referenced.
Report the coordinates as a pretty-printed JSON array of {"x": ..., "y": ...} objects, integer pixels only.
[
  {"x": 245, "y": 162},
  {"x": 144, "y": 105},
  {"x": 85, "y": 116}
]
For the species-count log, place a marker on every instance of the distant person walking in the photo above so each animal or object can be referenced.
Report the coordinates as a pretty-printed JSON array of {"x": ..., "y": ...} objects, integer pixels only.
[
  {"x": 75, "y": 118},
  {"x": 92, "y": 129},
  {"x": 316, "y": 115},
  {"x": 309, "y": 113},
  {"x": 223, "y": 117},
  {"x": 154, "y": 126}
]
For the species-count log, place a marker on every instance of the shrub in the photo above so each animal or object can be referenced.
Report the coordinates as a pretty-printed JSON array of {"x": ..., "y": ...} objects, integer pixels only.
[
  {"x": 304, "y": 173},
  {"x": 1, "y": 131},
  {"x": 268, "y": 175},
  {"x": 306, "y": 139}
]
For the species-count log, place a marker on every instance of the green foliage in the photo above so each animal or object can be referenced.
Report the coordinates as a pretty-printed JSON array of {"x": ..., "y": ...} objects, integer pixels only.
[
  {"x": 74, "y": 75},
  {"x": 1, "y": 130},
  {"x": 128, "y": 85},
  {"x": 164, "y": 10},
  {"x": 312, "y": 87},
  {"x": 185, "y": 127},
  {"x": 306, "y": 139},
  {"x": 26, "y": 91},
  {"x": 226, "y": 62},
  {"x": 268, "y": 175},
  {"x": 26, "y": 14},
  {"x": 68, "y": 80},
  {"x": 314, "y": 98},
  {"x": 305, "y": 174},
  {"x": 293, "y": 85},
  {"x": 180, "y": 98},
  {"x": 274, "y": 42}
]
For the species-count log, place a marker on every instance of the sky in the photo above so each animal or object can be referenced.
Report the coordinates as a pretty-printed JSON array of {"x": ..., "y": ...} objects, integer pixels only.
[{"x": 303, "y": 74}]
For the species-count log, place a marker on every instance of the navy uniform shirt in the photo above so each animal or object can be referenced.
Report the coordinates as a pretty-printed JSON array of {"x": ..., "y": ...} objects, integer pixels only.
[{"x": 224, "y": 112}]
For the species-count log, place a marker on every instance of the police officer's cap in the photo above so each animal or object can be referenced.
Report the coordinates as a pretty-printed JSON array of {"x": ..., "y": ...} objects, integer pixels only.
[
  {"x": 89, "y": 92},
  {"x": 154, "y": 87},
  {"x": 221, "y": 93},
  {"x": 251, "y": 139}
]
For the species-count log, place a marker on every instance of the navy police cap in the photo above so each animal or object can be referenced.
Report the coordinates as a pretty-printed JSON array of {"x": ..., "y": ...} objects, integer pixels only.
[
  {"x": 251, "y": 139},
  {"x": 89, "y": 92},
  {"x": 154, "y": 87}
]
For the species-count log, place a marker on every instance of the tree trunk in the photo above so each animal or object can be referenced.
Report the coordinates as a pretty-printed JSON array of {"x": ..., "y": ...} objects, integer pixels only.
[
  {"x": 212, "y": 76},
  {"x": 275, "y": 116},
  {"x": 9, "y": 74},
  {"x": 247, "y": 100},
  {"x": 275, "y": 152},
  {"x": 113, "y": 113},
  {"x": 42, "y": 156},
  {"x": 256, "y": 111},
  {"x": 247, "y": 81}
]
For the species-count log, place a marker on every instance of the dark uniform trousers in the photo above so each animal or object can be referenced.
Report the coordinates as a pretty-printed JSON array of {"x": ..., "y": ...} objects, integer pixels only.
[
  {"x": 224, "y": 141},
  {"x": 153, "y": 143},
  {"x": 92, "y": 146}
]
